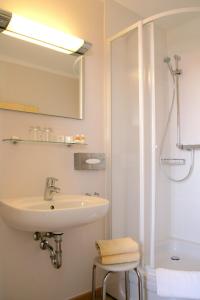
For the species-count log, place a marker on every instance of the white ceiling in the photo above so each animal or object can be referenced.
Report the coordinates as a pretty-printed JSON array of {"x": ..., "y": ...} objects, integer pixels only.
[{"x": 146, "y": 8}]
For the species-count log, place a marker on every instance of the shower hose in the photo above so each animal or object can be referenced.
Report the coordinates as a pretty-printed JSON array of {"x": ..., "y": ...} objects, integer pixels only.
[{"x": 164, "y": 138}]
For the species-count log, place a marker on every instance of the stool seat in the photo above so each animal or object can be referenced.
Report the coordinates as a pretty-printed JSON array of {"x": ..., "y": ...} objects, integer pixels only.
[
  {"x": 114, "y": 268},
  {"x": 122, "y": 267}
]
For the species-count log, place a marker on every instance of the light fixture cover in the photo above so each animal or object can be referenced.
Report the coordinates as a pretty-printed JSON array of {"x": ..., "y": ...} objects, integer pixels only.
[{"x": 27, "y": 30}]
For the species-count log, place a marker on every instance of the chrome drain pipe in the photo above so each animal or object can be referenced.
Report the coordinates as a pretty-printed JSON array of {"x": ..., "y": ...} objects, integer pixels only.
[
  {"x": 57, "y": 262},
  {"x": 55, "y": 254}
]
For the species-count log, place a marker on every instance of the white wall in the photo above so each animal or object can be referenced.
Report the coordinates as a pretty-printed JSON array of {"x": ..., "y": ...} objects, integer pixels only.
[
  {"x": 117, "y": 17},
  {"x": 147, "y": 8},
  {"x": 26, "y": 270}
]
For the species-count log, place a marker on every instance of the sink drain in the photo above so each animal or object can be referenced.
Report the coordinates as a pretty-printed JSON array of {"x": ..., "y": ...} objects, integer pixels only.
[
  {"x": 174, "y": 257},
  {"x": 52, "y": 207}
]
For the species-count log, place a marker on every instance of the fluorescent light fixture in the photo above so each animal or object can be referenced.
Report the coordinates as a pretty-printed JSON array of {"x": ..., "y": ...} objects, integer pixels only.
[{"x": 27, "y": 30}]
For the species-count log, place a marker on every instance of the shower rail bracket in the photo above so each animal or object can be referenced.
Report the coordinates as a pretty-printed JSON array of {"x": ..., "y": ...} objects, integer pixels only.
[{"x": 188, "y": 147}]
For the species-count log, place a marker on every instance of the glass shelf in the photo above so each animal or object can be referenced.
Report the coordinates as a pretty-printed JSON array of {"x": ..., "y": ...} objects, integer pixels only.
[{"x": 16, "y": 141}]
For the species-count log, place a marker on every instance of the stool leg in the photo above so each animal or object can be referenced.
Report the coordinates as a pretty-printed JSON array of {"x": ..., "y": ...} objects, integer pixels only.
[
  {"x": 139, "y": 278},
  {"x": 104, "y": 285},
  {"x": 94, "y": 282},
  {"x": 127, "y": 287}
]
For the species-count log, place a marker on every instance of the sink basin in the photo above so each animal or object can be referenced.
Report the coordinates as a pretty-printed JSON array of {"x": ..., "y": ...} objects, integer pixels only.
[{"x": 36, "y": 214}]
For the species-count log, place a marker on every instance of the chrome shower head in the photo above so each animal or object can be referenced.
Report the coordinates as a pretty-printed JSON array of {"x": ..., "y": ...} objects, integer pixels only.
[{"x": 167, "y": 60}]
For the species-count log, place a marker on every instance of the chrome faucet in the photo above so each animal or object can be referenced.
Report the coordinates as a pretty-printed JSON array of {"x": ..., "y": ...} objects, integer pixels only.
[{"x": 50, "y": 188}]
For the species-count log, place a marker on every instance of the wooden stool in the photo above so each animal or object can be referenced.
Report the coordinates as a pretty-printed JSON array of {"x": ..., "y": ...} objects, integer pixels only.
[{"x": 124, "y": 267}]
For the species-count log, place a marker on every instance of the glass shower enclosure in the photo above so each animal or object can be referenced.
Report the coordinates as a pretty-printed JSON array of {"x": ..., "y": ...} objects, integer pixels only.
[{"x": 162, "y": 215}]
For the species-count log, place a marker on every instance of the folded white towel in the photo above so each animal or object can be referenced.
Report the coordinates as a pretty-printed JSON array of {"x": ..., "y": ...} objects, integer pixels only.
[{"x": 178, "y": 284}]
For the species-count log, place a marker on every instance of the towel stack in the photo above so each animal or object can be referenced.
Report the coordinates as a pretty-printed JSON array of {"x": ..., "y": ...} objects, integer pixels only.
[{"x": 118, "y": 251}]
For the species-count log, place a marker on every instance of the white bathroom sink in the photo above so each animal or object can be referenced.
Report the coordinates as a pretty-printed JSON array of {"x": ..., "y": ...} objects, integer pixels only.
[{"x": 36, "y": 214}]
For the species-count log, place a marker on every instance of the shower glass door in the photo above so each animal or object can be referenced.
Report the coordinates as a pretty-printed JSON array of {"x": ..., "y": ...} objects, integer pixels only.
[{"x": 125, "y": 135}]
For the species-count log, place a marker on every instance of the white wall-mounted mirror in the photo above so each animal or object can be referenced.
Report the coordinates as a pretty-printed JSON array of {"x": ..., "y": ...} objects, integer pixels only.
[{"x": 39, "y": 80}]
